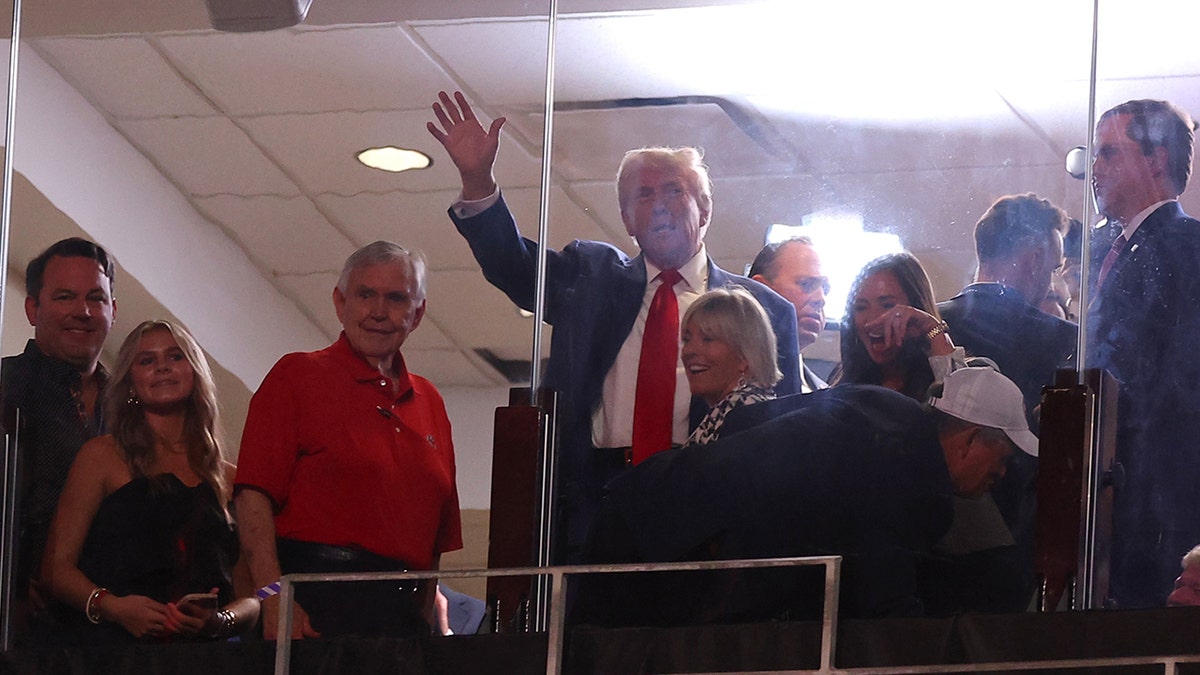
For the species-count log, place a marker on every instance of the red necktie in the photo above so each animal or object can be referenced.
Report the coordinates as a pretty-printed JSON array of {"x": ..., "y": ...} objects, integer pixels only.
[
  {"x": 654, "y": 403},
  {"x": 1117, "y": 245}
]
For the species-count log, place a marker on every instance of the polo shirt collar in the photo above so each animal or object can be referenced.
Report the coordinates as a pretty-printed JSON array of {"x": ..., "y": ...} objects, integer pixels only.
[{"x": 362, "y": 371}]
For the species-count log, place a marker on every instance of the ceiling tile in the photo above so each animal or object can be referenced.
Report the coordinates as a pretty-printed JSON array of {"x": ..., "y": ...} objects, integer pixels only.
[
  {"x": 421, "y": 221},
  {"x": 503, "y": 60},
  {"x": 125, "y": 76},
  {"x": 345, "y": 68},
  {"x": 319, "y": 150},
  {"x": 287, "y": 235},
  {"x": 476, "y": 314},
  {"x": 208, "y": 156},
  {"x": 313, "y": 293},
  {"x": 414, "y": 221},
  {"x": 446, "y": 368}
]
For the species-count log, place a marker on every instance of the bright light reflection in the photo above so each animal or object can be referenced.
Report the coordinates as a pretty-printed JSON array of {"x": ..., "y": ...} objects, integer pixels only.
[
  {"x": 844, "y": 247},
  {"x": 391, "y": 158},
  {"x": 920, "y": 62}
]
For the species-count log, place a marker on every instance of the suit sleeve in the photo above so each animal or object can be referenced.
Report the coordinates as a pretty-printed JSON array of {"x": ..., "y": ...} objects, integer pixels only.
[{"x": 508, "y": 260}]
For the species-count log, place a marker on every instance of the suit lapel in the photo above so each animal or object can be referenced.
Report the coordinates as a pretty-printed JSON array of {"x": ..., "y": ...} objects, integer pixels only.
[
  {"x": 717, "y": 277},
  {"x": 1144, "y": 231}
]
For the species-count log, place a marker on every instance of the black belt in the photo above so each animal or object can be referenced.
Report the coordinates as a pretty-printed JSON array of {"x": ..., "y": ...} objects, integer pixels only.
[
  {"x": 614, "y": 456},
  {"x": 307, "y": 556},
  {"x": 363, "y": 608}
]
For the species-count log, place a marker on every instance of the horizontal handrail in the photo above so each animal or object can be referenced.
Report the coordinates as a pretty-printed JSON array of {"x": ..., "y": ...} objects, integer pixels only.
[{"x": 559, "y": 575}]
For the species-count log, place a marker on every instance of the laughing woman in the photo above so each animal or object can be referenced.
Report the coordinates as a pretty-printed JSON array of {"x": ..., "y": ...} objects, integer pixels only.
[
  {"x": 893, "y": 335},
  {"x": 142, "y": 520},
  {"x": 728, "y": 353}
]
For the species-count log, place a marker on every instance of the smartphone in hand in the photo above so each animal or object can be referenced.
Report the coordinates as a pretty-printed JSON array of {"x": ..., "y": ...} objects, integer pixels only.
[{"x": 199, "y": 605}]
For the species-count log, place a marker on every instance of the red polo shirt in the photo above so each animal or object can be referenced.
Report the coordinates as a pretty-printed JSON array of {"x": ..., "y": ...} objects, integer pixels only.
[{"x": 352, "y": 458}]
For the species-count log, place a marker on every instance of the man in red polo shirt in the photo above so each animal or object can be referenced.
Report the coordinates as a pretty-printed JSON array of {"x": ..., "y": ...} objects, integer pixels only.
[{"x": 347, "y": 464}]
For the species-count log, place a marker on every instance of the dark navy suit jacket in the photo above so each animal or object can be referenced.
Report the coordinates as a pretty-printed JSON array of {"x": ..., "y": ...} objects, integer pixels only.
[
  {"x": 1144, "y": 328},
  {"x": 856, "y": 470},
  {"x": 593, "y": 295},
  {"x": 994, "y": 321}
]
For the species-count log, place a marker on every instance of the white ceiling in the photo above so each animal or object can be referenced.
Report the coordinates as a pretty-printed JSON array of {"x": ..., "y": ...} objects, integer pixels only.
[{"x": 915, "y": 114}]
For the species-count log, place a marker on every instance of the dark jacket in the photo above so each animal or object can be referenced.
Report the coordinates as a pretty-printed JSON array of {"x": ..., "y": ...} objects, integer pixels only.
[
  {"x": 1144, "y": 328},
  {"x": 855, "y": 470}
]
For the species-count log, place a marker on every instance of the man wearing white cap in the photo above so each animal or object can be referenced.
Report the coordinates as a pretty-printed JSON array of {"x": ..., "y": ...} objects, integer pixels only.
[{"x": 856, "y": 470}]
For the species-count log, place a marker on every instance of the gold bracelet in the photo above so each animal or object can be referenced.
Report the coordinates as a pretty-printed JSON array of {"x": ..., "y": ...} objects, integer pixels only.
[{"x": 937, "y": 330}]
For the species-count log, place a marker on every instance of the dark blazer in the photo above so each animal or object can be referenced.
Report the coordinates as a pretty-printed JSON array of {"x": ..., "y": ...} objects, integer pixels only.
[
  {"x": 855, "y": 470},
  {"x": 593, "y": 295},
  {"x": 994, "y": 321},
  {"x": 1144, "y": 328}
]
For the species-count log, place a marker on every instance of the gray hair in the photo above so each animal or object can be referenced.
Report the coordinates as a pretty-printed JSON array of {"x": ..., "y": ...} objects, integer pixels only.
[
  {"x": 380, "y": 252},
  {"x": 734, "y": 316}
]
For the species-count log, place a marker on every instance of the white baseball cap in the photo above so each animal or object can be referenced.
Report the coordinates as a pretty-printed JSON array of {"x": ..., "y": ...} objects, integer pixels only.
[{"x": 985, "y": 397}]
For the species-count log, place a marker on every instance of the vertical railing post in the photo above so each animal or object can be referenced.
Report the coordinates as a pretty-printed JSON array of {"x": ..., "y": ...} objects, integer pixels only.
[{"x": 283, "y": 636}]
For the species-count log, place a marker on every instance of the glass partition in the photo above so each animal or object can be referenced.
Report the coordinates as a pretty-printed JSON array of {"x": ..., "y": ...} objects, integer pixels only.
[
  {"x": 869, "y": 127},
  {"x": 219, "y": 168},
  {"x": 7, "y": 462},
  {"x": 1143, "y": 320}
]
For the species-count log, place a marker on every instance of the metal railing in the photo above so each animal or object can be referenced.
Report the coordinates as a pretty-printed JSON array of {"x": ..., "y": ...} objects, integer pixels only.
[
  {"x": 559, "y": 579},
  {"x": 560, "y": 576}
]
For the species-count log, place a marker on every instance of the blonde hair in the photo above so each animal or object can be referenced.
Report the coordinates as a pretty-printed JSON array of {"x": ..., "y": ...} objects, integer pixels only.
[
  {"x": 689, "y": 160},
  {"x": 735, "y": 317},
  {"x": 126, "y": 420}
]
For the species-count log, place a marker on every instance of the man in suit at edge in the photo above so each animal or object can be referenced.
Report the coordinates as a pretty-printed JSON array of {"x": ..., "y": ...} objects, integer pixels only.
[
  {"x": 792, "y": 269},
  {"x": 1144, "y": 329},
  {"x": 598, "y": 301},
  {"x": 1019, "y": 244}
]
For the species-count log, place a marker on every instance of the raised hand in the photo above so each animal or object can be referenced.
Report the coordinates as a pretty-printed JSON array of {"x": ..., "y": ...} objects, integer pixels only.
[
  {"x": 900, "y": 324},
  {"x": 472, "y": 149}
]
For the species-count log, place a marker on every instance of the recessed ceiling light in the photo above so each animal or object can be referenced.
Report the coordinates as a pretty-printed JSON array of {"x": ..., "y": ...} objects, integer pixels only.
[{"x": 391, "y": 158}]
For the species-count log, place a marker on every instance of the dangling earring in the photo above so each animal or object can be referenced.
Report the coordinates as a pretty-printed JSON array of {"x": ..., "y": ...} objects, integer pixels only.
[{"x": 132, "y": 399}]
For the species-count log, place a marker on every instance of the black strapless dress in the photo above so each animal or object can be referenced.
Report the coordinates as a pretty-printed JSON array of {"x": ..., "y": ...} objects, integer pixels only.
[{"x": 155, "y": 536}]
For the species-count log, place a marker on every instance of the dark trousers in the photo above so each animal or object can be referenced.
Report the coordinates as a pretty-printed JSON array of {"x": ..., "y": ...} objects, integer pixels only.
[{"x": 359, "y": 608}]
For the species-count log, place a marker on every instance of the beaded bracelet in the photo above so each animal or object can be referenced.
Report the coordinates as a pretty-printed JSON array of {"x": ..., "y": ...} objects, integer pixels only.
[{"x": 92, "y": 607}]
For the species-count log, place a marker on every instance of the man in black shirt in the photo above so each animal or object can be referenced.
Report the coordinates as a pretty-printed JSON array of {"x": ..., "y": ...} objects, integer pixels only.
[{"x": 52, "y": 392}]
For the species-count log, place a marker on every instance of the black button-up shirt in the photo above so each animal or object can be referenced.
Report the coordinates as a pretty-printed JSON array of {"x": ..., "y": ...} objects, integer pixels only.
[{"x": 53, "y": 425}]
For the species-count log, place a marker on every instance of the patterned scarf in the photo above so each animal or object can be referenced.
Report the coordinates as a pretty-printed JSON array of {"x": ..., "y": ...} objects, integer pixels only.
[{"x": 746, "y": 393}]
